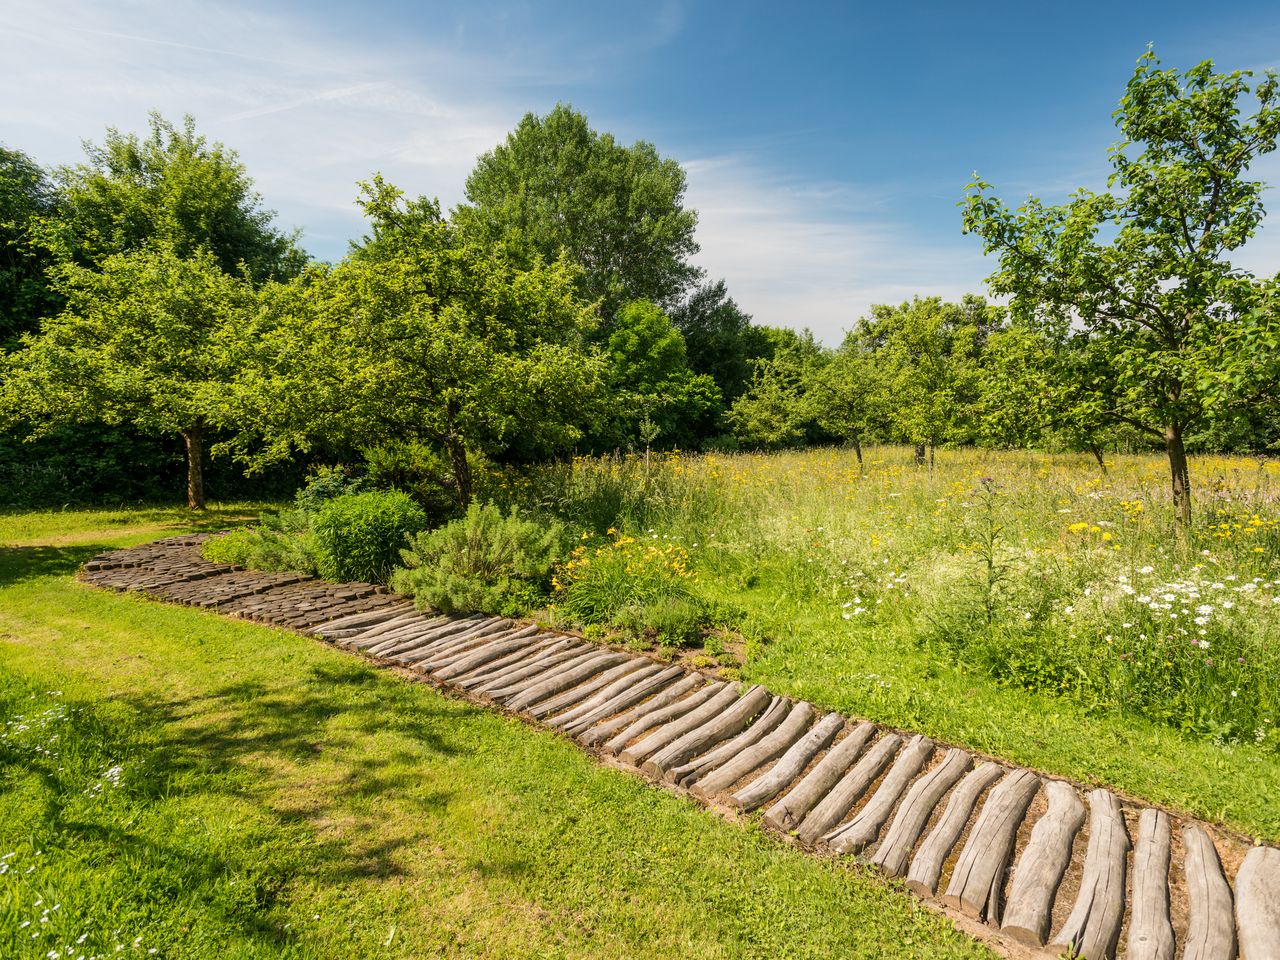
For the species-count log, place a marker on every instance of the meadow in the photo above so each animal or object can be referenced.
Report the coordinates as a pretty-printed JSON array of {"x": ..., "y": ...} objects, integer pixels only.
[{"x": 1027, "y": 605}]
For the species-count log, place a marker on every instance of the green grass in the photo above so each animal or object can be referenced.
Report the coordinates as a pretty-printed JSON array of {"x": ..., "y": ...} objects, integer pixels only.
[{"x": 179, "y": 782}]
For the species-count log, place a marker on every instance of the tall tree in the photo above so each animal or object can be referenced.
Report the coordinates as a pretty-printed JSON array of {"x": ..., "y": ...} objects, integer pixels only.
[
  {"x": 1142, "y": 269},
  {"x": 423, "y": 333},
  {"x": 173, "y": 188},
  {"x": 141, "y": 342},
  {"x": 27, "y": 198},
  {"x": 717, "y": 336},
  {"x": 618, "y": 212}
]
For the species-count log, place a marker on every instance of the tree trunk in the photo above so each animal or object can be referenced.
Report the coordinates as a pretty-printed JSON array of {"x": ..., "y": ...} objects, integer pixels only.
[
  {"x": 931, "y": 449},
  {"x": 194, "y": 440},
  {"x": 919, "y": 454},
  {"x": 461, "y": 470},
  {"x": 1097, "y": 455},
  {"x": 857, "y": 452},
  {"x": 1180, "y": 476}
]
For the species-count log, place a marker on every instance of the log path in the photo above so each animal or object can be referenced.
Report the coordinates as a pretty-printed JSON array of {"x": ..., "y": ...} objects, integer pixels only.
[{"x": 1007, "y": 852}]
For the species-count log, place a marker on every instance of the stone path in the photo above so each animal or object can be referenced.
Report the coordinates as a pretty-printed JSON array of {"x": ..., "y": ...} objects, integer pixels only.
[{"x": 1030, "y": 863}]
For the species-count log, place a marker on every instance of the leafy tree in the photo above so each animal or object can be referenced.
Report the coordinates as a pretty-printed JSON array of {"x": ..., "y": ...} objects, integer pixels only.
[
  {"x": 653, "y": 393},
  {"x": 422, "y": 333},
  {"x": 846, "y": 395},
  {"x": 172, "y": 188},
  {"x": 618, "y": 212},
  {"x": 27, "y": 198},
  {"x": 776, "y": 410},
  {"x": 718, "y": 338},
  {"x": 1142, "y": 269},
  {"x": 141, "y": 342}
]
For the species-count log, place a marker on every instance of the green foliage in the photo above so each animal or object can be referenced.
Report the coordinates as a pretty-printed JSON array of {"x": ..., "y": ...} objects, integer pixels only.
[
  {"x": 27, "y": 197},
  {"x": 419, "y": 469},
  {"x": 484, "y": 561},
  {"x": 1171, "y": 333},
  {"x": 327, "y": 483},
  {"x": 423, "y": 334},
  {"x": 718, "y": 338},
  {"x": 556, "y": 186},
  {"x": 359, "y": 536},
  {"x": 172, "y": 189},
  {"x": 775, "y": 411},
  {"x": 280, "y": 542}
]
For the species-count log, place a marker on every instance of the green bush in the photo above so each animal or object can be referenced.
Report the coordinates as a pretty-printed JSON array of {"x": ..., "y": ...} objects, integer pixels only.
[
  {"x": 484, "y": 561},
  {"x": 670, "y": 621},
  {"x": 358, "y": 535},
  {"x": 273, "y": 546},
  {"x": 327, "y": 483},
  {"x": 419, "y": 470}
]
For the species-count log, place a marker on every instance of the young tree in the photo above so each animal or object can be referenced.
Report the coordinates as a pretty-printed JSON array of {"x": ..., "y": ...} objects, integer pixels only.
[
  {"x": 1142, "y": 270},
  {"x": 845, "y": 396},
  {"x": 141, "y": 341},
  {"x": 423, "y": 333},
  {"x": 27, "y": 198},
  {"x": 776, "y": 411},
  {"x": 618, "y": 212},
  {"x": 172, "y": 188}
]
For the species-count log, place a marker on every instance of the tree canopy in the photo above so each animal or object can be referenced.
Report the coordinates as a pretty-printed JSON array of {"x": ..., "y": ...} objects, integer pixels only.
[{"x": 27, "y": 199}]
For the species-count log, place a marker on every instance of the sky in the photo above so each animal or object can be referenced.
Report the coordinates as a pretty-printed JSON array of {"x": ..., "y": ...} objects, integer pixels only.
[{"x": 826, "y": 144}]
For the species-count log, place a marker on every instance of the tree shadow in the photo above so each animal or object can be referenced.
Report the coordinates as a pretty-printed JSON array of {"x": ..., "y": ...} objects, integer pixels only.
[{"x": 18, "y": 564}]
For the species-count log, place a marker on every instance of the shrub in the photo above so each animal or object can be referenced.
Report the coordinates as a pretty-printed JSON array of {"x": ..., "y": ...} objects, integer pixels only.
[
  {"x": 420, "y": 470},
  {"x": 358, "y": 535},
  {"x": 280, "y": 542},
  {"x": 327, "y": 483},
  {"x": 670, "y": 621},
  {"x": 484, "y": 561}
]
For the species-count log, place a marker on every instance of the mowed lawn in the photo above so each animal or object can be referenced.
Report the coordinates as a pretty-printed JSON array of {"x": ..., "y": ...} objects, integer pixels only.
[{"x": 177, "y": 784}]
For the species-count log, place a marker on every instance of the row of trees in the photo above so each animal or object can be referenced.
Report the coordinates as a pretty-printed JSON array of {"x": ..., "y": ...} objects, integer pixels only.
[{"x": 557, "y": 308}]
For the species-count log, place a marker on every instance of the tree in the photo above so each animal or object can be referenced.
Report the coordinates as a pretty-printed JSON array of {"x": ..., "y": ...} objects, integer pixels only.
[
  {"x": 775, "y": 411},
  {"x": 142, "y": 342},
  {"x": 1141, "y": 271},
  {"x": 422, "y": 333},
  {"x": 717, "y": 336},
  {"x": 618, "y": 212},
  {"x": 175, "y": 189},
  {"x": 845, "y": 396},
  {"x": 27, "y": 198}
]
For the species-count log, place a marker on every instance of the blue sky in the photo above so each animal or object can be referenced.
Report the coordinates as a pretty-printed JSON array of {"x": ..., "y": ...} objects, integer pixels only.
[{"x": 826, "y": 144}]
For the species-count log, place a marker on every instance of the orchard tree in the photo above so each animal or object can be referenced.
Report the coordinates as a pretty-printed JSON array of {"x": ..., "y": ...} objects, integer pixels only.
[
  {"x": 846, "y": 395},
  {"x": 775, "y": 411},
  {"x": 423, "y": 333},
  {"x": 718, "y": 338},
  {"x": 142, "y": 341},
  {"x": 618, "y": 212},
  {"x": 1141, "y": 271},
  {"x": 172, "y": 188},
  {"x": 27, "y": 199}
]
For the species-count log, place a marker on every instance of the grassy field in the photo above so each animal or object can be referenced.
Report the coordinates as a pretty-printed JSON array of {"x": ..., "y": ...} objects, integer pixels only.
[
  {"x": 1021, "y": 604},
  {"x": 176, "y": 784}
]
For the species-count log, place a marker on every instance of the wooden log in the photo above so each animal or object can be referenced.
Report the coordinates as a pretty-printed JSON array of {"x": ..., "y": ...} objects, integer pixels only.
[
  {"x": 622, "y": 705},
  {"x": 1258, "y": 904},
  {"x": 1093, "y": 928},
  {"x": 513, "y": 673},
  {"x": 1029, "y": 910},
  {"x": 764, "y": 788},
  {"x": 585, "y": 690},
  {"x": 863, "y": 829},
  {"x": 1150, "y": 928},
  {"x": 909, "y": 822},
  {"x": 700, "y": 766},
  {"x": 513, "y": 660},
  {"x": 676, "y": 727},
  {"x": 513, "y": 682},
  {"x": 653, "y": 713},
  {"x": 1211, "y": 929},
  {"x": 564, "y": 679},
  {"x": 789, "y": 812},
  {"x": 976, "y": 882},
  {"x": 452, "y": 638},
  {"x": 714, "y": 730},
  {"x": 836, "y": 805},
  {"x": 372, "y": 635},
  {"x": 502, "y": 643},
  {"x": 602, "y": 698},
  {"x": 355, "y": 621},
  {"x": 926, "y": 866},
  {"x": 423, "y": 635}
]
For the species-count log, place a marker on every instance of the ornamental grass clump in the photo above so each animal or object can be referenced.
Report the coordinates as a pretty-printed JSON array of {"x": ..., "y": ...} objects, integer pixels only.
[{"x": 484, "y": 561}]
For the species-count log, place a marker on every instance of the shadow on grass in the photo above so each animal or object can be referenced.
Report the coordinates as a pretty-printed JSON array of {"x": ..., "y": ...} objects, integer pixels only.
[{"x": 29, "y": 563}]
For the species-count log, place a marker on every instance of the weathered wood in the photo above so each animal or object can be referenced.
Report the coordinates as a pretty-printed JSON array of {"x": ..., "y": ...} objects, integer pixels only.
[
  {"x": 1029, "y": 910},
  {"x": 1150, "y": 928},
  {"x": 509, "y": 677},
  {"x": 1093, "y": 928},
  {"x": 641, "y": 713},
  {"x": 354, "y": 622},
  {"x": 513, "y": 682},
  {"x": 543, "y": 644},
  {"x": 502, "y": 643},
  {"x": 712, "y": 731},
  {"x": 863, "y": 829},
  {"x": 789, "y": 812},
  {"x": 912, "y": 816},
  {"x": 702, "y": 765},
  {"x": 1211, "y": 929},
  {"x": 654, "y": 718},
  {"x": 837, "y": 804},
  {"x": 425, "y": 635},
  {"x": 374, "y": 634},
  {"x": 623, "y": 704},
  {"x": 676, "y": 728},
  {"x": 584, "y": 690},
  {"x": 564, "y": 680},
  {"x": 1258, "y": 904},
  {"x": 975, "y": 883},
  {"x": 764, "y": 788},
  {"x": 602, "y": 699},
  {"x": 446, "y": 641}
]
